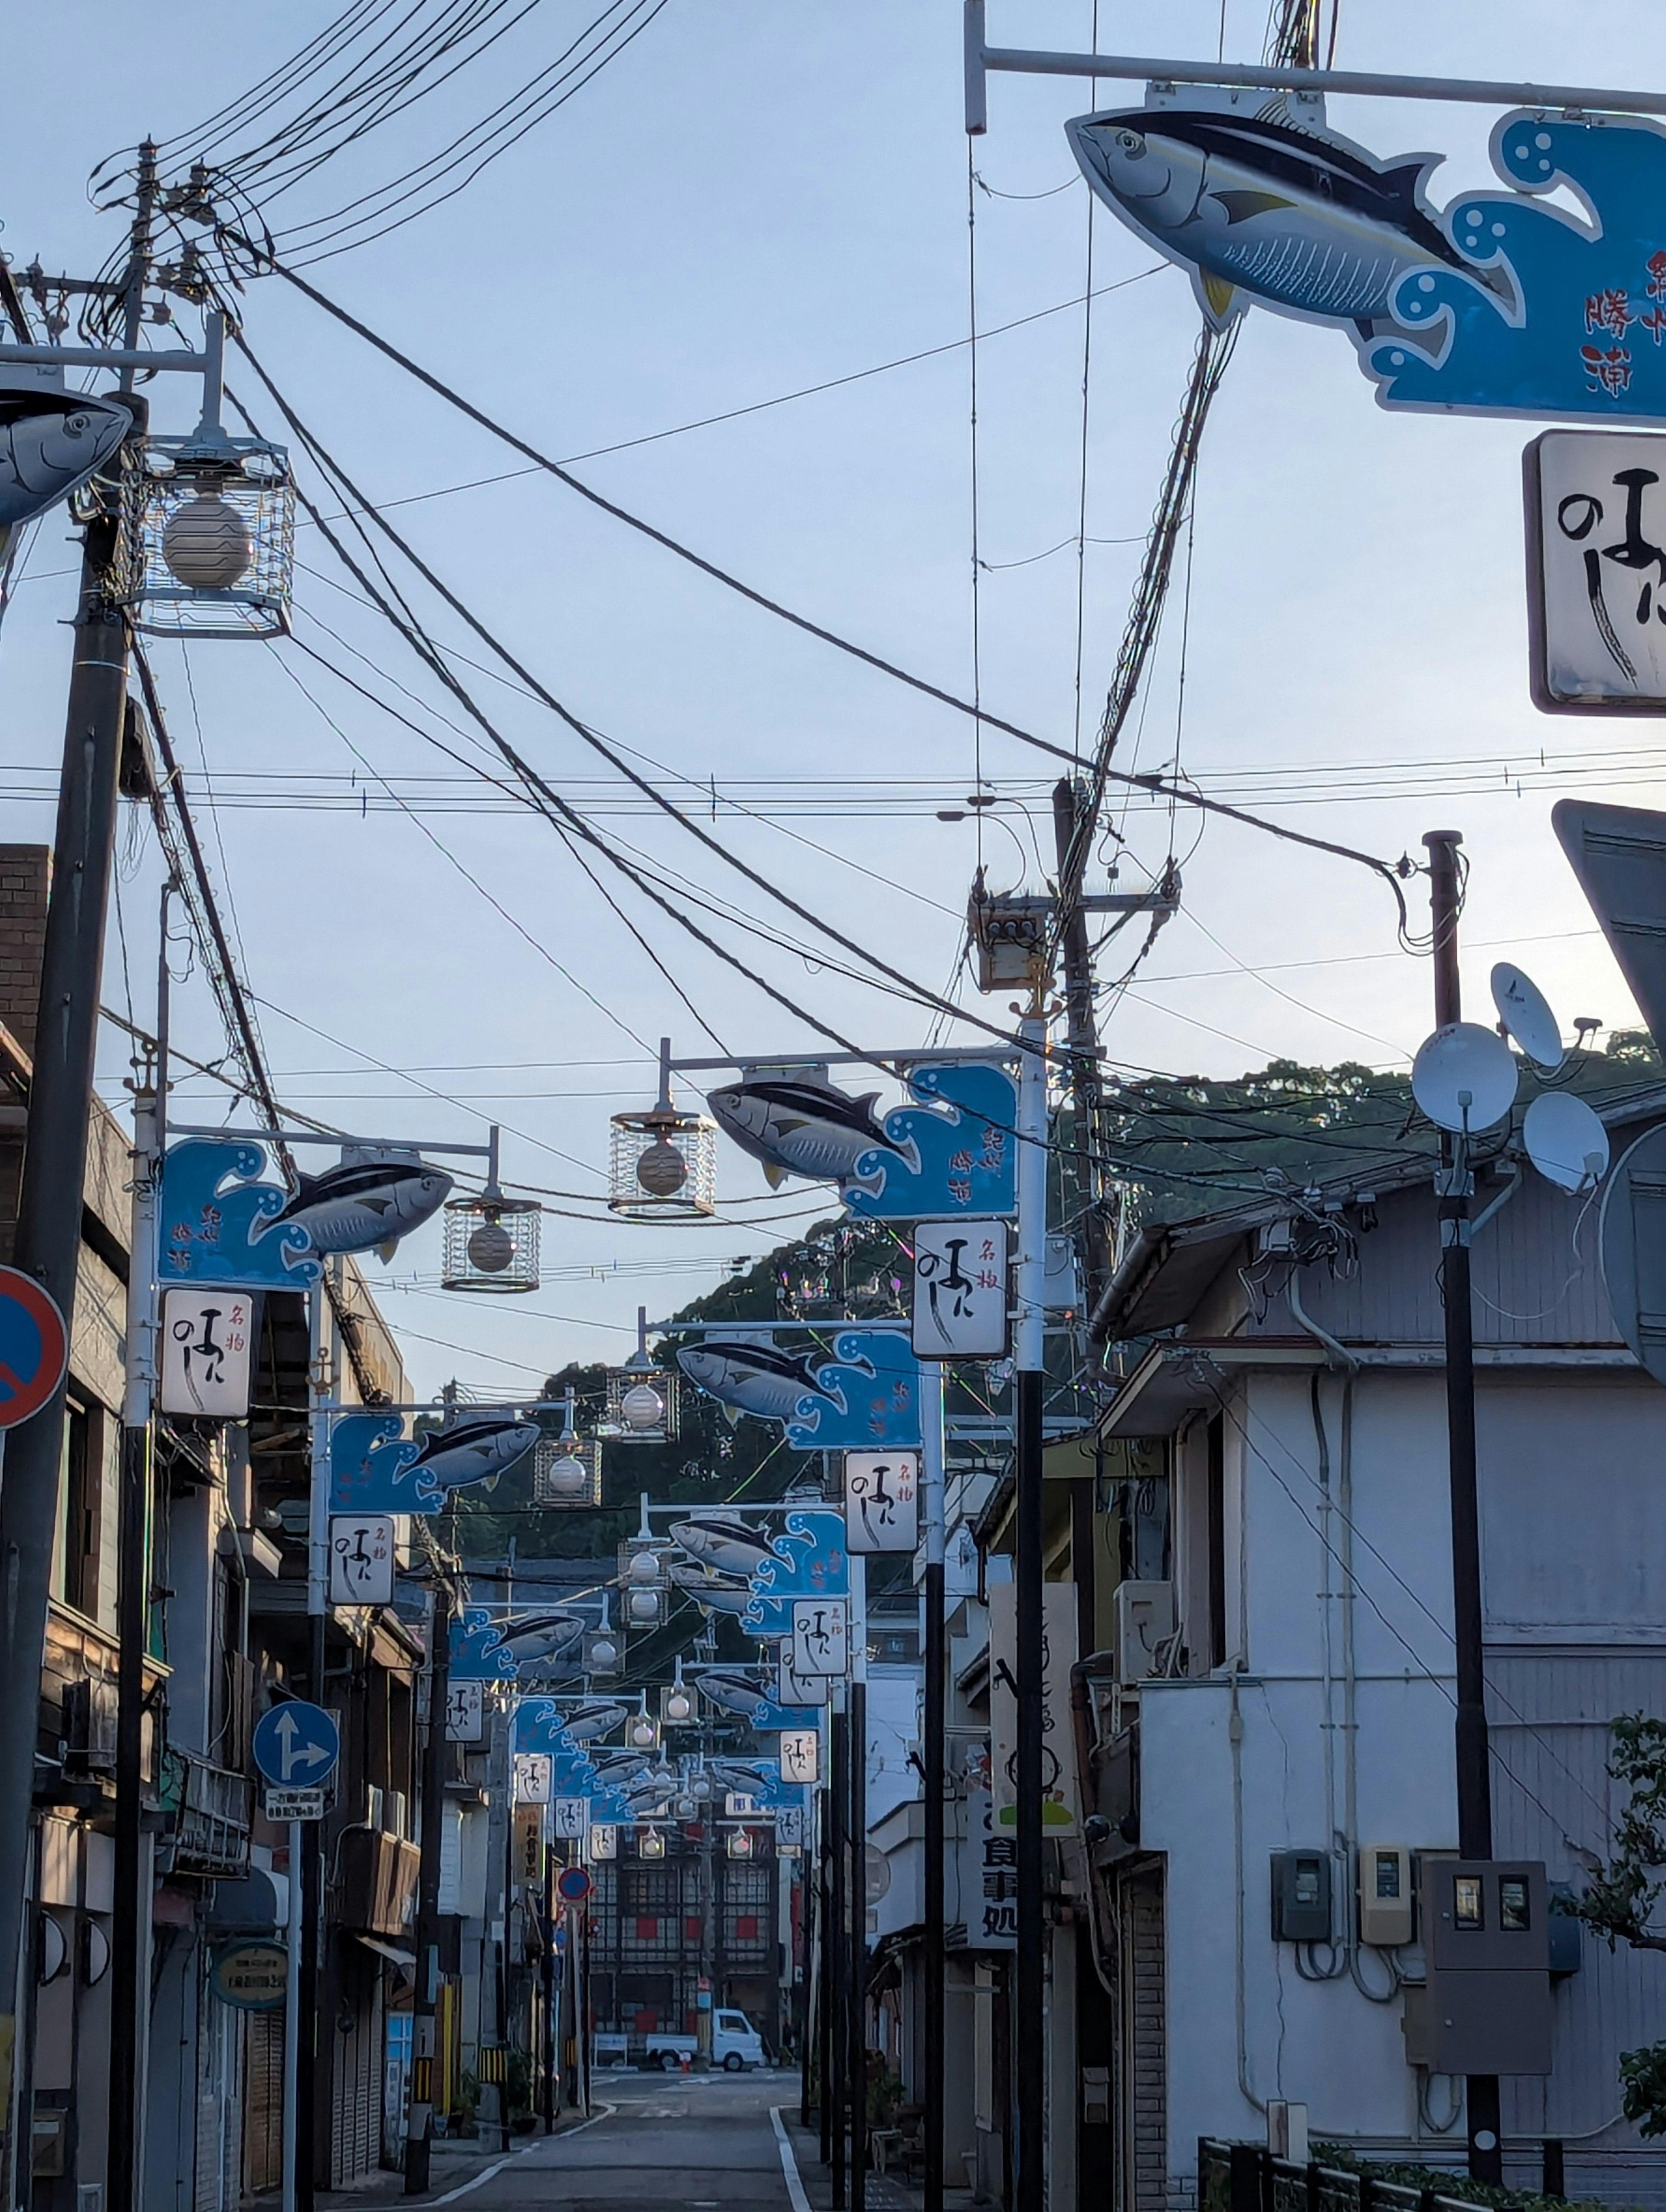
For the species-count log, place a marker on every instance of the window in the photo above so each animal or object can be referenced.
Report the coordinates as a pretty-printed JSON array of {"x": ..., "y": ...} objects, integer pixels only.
[
  {"x": 76, "y": 1558},
  {"x": 734, "y": 2021},
  {"x": 1467, "y": 1909},
  {"x": 1513, "y": 1914}
]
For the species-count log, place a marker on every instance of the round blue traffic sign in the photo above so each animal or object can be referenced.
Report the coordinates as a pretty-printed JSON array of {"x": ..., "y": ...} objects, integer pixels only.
[
  {"x": 572, "y": 1885},
  {"x": 35, "y": 1347},
  {"x": 296, "y": 1746}
]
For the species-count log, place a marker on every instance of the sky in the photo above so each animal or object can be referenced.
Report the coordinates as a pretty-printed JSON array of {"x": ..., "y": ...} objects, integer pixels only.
[{"x": 751, "y": 201}]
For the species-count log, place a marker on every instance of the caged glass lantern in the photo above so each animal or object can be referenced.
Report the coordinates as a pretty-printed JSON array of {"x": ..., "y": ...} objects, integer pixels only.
[
  {"x": 642, "y": 1398},
  {"x": 208, "y": 537},
  {"x": 491, "y": 1242},
  {"x": 567, "y": 1470},
  {"x": 662, "y": 1165}
]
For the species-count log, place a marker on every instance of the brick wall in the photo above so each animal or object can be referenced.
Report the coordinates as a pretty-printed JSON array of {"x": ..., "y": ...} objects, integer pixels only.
[{"x": 23, "y": 876}]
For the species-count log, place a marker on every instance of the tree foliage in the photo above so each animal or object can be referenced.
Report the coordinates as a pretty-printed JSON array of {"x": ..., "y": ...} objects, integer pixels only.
[{"x": 1621, "y": 1901}]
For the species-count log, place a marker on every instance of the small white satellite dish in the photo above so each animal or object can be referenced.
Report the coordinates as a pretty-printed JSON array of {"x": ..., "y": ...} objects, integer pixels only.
[
  {"x": 1565, "y": 1141},
  {"x": 1525, "y": 1013},
  {"x": 1464, "y": 1077}
]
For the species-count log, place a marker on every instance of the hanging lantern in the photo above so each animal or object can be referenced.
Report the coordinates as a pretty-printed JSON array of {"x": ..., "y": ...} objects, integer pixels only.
[
  {"x": 642, "y": 1404},
  {"x": 567, "y": 1470},
  {"x": 740, "y": 1846},
  {"x": 650, "y": 1843},
  {"x": 643, "y": 1580},
  {"x": 677, "y": 1708},
  {"x": 207, "y": 543},
  {"x": 491, "y": 1242},
  {"x": 663, "y": 1165}
]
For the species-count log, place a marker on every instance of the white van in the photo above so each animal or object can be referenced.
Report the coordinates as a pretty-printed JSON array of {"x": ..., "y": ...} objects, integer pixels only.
[{"x": 735, "y": 2042}]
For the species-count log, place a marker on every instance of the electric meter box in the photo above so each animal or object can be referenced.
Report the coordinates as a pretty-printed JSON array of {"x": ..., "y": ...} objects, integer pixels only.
[
  {"x": 1386, "y": 1899},
  {"x": 1485, "y": 2006},
  {"x": 1301, "y": 1897}
]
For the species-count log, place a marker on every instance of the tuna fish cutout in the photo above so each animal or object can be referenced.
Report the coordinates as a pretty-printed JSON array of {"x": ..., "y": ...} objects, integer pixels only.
[
  {"x": 731, "y": 1547},
  {"x": 364, "y": 1205},
  {"x": 800, "y": 1127},
  {"x": 532, "y": 1639},
  {"x": 742, "y": 1691},
  {"x": 1259, "y": 207},
  {"x": 476, "y": 1449},
  {"x": 595, "y": 1717},
  {"x": 745, "y": 1378},
  {"x": 50, "y": 440},
  {"x": 718, "y": 1592}
]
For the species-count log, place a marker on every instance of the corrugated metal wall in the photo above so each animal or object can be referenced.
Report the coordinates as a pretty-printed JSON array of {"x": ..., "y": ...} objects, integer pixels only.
[{"x": 357, "y": 2088}]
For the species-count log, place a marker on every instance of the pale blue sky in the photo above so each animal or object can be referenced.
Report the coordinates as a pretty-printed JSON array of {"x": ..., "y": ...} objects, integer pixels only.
[{"x": 752, "y": 199}]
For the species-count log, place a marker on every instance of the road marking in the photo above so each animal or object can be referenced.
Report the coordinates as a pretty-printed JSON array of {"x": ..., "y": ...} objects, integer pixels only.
[
  {"x": 463, "y": 2188},
  {"x": 789, "y": 2166}
]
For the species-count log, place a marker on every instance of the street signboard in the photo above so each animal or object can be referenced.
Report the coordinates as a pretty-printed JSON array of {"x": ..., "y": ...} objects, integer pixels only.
[
  {"x": 362, "y": 1559},
  {"x": 604, "y": 1839},
  {"x": 207, "y": 1339},
  {"x": 821, "y": 1636},
  {"x": 35, "y": 1347},
  {"x": 881, "y": 1501},
  {"x": 465, "y": 1711},
  {"x": 533, "y": 1778},
  {"x": 792, "y": 1827},
  {"x": 1595, "y": 638},
  {"x": 250, "y": 1976},
  {"x": 800, "y": 1750},
  {"x": 571, "y": 1817},
  {"x": 572, "y": 1885},
  {"x": 796, "y": 1689},
  {"x": 296, "y": 1746},
  {"x": 527, "y": 1845},
  {"x": 286, "y": 1805},
  {"x": 960, "y": 1290},
  {"x": 1619, "y": 855}
]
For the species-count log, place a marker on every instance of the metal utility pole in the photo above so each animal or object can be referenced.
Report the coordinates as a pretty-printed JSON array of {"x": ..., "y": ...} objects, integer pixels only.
[
  {"x": 1454, "y": 1184},
  {"x": 547, "y": 1981},
  {"x": 934, "y": 1740},
  {"x": 130, "y": 1926},
  {"x": 321, "y": 1369},
  {"x": 704, "y": 2013},
  {"x": 824, "y": 1938},
  {"x": 1082, "y": 1035},
  {"x": 49, "y": 1208},
  {"x": 838, "y": 2041},
  {"x": 419, "y": 2133},
  {"x": 1031, "y": 1972},
  {"x": 858, "y": 1987}
]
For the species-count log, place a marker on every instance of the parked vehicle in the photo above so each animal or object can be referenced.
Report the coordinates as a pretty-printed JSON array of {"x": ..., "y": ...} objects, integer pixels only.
[{"x": 736, "y": 2044}]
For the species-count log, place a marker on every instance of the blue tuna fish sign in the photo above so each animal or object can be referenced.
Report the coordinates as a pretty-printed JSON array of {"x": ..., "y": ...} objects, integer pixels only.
[{"x": 1497, "y": 304}]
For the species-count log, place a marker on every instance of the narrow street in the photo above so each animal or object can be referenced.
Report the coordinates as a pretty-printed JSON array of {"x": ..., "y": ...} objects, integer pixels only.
[{"x": 705, "y": 2141}]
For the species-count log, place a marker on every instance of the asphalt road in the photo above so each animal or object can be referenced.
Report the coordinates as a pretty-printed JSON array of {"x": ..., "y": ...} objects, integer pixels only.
[{"x": 694, "y": 2142}]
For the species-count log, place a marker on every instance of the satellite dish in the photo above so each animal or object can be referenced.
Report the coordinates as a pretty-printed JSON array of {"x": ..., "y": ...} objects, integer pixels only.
[
  {"x": 1464, "y": 1077},
  {"x": 1525, "y": 1013},
  {"x": 1634, "y": 1245},
  {"x": 1565, "y": 1141}
]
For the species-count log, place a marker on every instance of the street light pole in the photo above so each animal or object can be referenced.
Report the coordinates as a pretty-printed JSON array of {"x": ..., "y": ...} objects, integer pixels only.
[
  {"x": 1453, "y": 1185},
  {"x": 932, "y": 1740},
  {"x": 419, "y": 2133}
]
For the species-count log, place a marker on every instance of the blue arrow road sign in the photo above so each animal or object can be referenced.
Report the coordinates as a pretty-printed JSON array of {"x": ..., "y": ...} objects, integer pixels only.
[{"x": 296, "y": 1746}]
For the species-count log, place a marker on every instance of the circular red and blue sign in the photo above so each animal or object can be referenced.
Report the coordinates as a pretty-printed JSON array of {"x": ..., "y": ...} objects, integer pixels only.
[
  {"x": 35, "y": 1347},
  {"x": 572, "y": 1885}
]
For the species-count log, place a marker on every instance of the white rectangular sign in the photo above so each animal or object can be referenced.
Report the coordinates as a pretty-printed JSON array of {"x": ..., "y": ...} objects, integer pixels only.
[
  {"x": 881, "y": 1501},
  {"x": 960, "y": 1289},
  {"x": 1596, "y": 525},
  {"x": 535, "y": 1773},
  {"x": 800, "y": 1754},
  {"x": 294, "y": 1804},
  {"x": 792, "y": 1827},
  {"x": 465, "y": 1711},
  {"x": 821, "y": 1636},
  {"x": 792, "y": 1688},
  {"x": 207, "y": 1339},
  {"x": 1060, "y": 1797},
  {"x": 571, "y": 1817},
  {"x": 605, "y": 1842},
  {"x": 362, "y": 1559}
]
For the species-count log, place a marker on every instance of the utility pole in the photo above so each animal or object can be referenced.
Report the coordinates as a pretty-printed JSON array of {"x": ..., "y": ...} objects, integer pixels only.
[
  {"x": 1031, "y": 1971},
  {"x": 825, "y": 1931},
  {"x": 547, "y": 1980},
  {"x": 933, "y": 1742},
  {"x": 858, "y": 1986},
  {"x": 49, "y": 1209},
  {"x": 322, "y": 1380},
  {"x": 1454, "y": 1184},
  {"x": 705, "y": 2013},
  {"x": 419, "y": 2133},
  {"x": 838, "y": 2041},
  {"x": 130, "y": 1926},
  {"x": 1082, "y": 1035}
]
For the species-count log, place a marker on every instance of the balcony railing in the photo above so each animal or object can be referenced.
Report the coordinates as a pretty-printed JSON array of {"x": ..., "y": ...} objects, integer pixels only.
[{"x": 213, "y": 1810}]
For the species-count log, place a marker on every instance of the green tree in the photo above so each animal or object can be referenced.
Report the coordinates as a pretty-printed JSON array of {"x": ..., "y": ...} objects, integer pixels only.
[{"x": 1621, "y": 1901}]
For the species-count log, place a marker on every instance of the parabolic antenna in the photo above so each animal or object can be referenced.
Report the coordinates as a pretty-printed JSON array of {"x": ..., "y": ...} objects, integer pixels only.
[
  {"x": 1633, "y": 1240},
  {"x": 1565, "y": 1141},
  {"x": 1525, "y": 1013},
  {"x": 1464, "y": 1077}
]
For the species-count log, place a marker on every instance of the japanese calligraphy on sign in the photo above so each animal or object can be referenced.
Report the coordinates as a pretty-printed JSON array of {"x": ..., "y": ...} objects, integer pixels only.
[
  {"x": 821, "y": 1636},
  {"x": 881, "y": 1501},
  {"x": 465, "y": 1711},
  {"x": 1596, "y": 569},
  {"x": 1060, "y": 1796},
  {"x": 960, "y": 1289},
  {"x": 206, "y": 1340},
  {"x": 362, "y": 1559},
  {"x": 800, "y": 1751},
  {"x": 534, "y": 1772}
]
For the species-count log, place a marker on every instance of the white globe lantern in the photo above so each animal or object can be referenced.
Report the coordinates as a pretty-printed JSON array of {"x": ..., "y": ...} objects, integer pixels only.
[
  {"x": 643, "y": 1733},
  {"x": 643, "y": 1408},
  {"x": 490, "y": 1248},
  {"x": 569, "y": 1477},
  {"x": 678, "y": 1706},
  {"x": 643, "y": 1606},
  {"x": 207, "y": 545},
  {"x": 644, "y": 1568}
]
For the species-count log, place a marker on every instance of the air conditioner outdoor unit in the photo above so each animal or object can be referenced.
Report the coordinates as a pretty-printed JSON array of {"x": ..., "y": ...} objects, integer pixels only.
[
  {"x": 1144, "y": 1627},
  {"x": 89, "y": 1723}
]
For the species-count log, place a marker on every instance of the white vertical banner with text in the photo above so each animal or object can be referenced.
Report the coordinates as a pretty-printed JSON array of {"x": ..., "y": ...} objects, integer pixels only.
[{"x": 1061, "y": 1795}]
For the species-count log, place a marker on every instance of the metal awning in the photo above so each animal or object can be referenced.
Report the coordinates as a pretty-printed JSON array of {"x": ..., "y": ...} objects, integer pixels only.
[{"x": 406, "y": 1961}]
